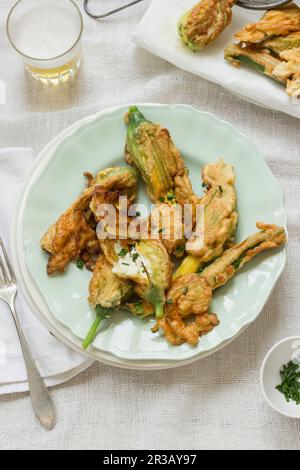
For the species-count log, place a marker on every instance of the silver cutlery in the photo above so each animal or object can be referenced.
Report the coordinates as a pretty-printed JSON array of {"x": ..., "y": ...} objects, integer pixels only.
[
  {"x": 41, "y": 400},
  {"x": 248, "y": 4}
]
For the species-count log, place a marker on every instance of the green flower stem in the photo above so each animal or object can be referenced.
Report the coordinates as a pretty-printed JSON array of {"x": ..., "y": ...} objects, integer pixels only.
[
  {"x": 93, "y": 331},
  {"x": 159, "y": 310}
]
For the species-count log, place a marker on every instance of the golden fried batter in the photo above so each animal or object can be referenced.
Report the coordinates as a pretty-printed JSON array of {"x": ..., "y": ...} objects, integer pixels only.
[
  {"x": 186, "y": 313},
  {"x": 189, "y": 298},
  {"x": 116, "y": 178},
  {"x": 220, "y": 218},
  {"x": 233, "y": 259},
  {"x": 278, "y": 44},
  {"x": 140, "y": 308},
  {"x": 106, "y": 289},
  {"x": 167, "y": 220},
  {"x": 68, "y": 237},
  {"x": 259, "y": 60},
  {"x": 277, "y": 22},
  {"x": 202, "y": 24},
  {"x": 293, "y": 86},
  {"x": 151, "y": 150},
  {"x": 290, "y": 64}
]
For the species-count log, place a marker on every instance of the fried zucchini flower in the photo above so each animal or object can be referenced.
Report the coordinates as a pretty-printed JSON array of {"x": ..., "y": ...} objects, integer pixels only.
[
  {"x": 233, "y": 259},
  {"x": 106, "y": 293},
  {"x": 271, "y": 46},
  {"x": 220, "y": 218},
  {"x": 118, "y": 178},
  {"x": 70, "y": 234},
  {"x": 201, "y": 25},
  {"x": 293, "y": 87},
  {"x": 140, "y": 308},
  {"x": 285, "y": 69},
  {"x": 148, "y": 265},
  {"x": 106, "y": 289},
  {"x": 290, "y": 65},
  {"x": 277, "y": 22},
  {"x": 278, "y": 44},
  {"x": 186, "y": 314},
  {"x": 75, "y": 230},
  {"x": 260, "y": 61},
  {"x": 151, "y": 150}
]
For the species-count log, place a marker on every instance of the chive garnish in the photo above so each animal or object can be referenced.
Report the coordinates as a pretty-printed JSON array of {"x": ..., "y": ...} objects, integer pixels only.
[
  {"x": 123, "y": 253},
  {"x": 80, "y": 263},
  {"x": 290, "y": 385}
]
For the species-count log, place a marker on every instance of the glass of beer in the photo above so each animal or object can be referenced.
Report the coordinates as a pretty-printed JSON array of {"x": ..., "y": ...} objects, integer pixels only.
[{"x": 47, "y": 35}]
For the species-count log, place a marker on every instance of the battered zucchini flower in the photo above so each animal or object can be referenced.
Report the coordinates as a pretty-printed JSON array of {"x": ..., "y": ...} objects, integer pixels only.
[
  {"x": 220, "y": 218},
  {"x": 277, "y": 22},
  {"x": 106, "y": 289},
  {"x": 72, "y": 232},
  {"x": 106, "y": 293},
  {"x": 201, "y": 25},
  {"x": 290, "y": 65},
  {"x": 118, "y": 178},
  {"x": 151, "y": 150},
  {"x": 187, "y": 306},
  {"x": 148, "y": 265},
  {"x": 140, "y": 308},
  {"x": 279, "y": 44},
  {"x": 260, "y": 61}
]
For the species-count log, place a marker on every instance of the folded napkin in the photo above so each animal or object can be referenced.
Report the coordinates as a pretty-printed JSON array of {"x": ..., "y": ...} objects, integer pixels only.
[
  {"x": 157, "y": 33},
  {"x": 56, "y": 362}
]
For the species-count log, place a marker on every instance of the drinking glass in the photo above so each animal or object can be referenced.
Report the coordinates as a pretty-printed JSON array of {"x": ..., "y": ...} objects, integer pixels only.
[{"x": 47, "y": 35}]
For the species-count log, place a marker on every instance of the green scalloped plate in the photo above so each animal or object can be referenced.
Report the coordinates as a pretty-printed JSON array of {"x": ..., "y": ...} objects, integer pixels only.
[{"x": 97, "y": 142}]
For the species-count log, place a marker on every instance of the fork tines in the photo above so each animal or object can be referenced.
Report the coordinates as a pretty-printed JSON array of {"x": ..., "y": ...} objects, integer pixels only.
[{"x": 7, "y": 275}]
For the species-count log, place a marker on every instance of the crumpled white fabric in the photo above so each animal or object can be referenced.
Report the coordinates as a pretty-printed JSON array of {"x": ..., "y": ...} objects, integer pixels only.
[
  {"x": 157, "y": 33},
  {"x": 56, "y": 362}
]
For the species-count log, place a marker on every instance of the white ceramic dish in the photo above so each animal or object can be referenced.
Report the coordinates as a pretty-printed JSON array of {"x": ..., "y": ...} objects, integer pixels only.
[
  {"x": 61, "y": 302},
  {"x": 281, "y": 353},
  {"x": 210, "y": 63}
]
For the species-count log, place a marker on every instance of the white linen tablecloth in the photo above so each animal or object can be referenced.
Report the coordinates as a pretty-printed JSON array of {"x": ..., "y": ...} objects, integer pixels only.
[{"x": 216, "y": 402}]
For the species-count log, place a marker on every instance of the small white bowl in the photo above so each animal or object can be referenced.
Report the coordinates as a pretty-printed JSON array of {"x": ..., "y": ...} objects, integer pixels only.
[{"x": 281, "y": 353}]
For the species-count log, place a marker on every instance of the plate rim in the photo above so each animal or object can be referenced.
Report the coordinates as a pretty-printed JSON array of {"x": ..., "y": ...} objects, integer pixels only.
[{"x": 18, "y": 252}]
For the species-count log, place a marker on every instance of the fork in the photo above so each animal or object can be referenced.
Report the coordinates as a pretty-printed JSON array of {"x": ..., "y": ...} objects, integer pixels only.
[{"x": 40, "y": 397}]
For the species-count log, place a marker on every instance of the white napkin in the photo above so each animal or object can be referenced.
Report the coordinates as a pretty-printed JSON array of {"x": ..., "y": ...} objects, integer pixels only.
[
  {"x": 56, "y": 362},
  {"x": 157, "y": 33}
]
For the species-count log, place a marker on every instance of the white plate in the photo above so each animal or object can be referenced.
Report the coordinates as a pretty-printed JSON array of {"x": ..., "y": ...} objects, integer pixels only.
[
  {"x": 97, "y": 142},
  {"x": 209, "y": 63}
]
